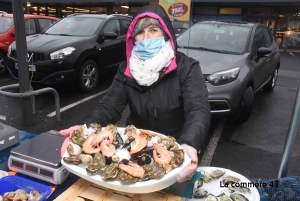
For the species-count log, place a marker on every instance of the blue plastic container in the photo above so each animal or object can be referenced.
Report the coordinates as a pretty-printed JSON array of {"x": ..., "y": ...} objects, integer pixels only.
[{"x": 13, "y": 183}]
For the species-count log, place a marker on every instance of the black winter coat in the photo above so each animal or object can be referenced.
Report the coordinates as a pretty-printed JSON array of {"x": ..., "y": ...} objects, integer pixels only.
[{"x": 176, "y": 105}]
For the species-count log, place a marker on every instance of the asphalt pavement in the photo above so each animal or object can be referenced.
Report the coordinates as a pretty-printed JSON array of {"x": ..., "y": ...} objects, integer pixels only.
[{"x": 253, "y": 149}]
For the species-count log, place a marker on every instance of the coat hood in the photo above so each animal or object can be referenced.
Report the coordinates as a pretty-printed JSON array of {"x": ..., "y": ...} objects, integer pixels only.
[{"x": 157, "y": 12}]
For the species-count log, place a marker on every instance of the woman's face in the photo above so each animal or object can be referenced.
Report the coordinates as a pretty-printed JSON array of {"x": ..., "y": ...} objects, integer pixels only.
[{"x": 149, "y": 32}]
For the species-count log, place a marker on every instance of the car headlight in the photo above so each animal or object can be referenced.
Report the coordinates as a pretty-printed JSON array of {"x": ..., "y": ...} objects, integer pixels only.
[
  {"x": 9, "y": 49},
  {"x": 224, "y": 77},
  {"x": 60, "y": 54}
]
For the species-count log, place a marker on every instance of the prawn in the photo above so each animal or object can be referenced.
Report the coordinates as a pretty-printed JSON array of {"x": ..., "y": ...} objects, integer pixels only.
[
  {"x": 133, "y": 169},
  {"x": 101, "y": 136},
  {"x": 107, "y": 149},
  {"x": 87, "y": 146},
  {"x": 151, "y": 134},
  {"x": 161, "y": 155}
]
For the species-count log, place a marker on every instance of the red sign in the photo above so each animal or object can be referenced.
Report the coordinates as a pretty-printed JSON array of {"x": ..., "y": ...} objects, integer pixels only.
[{"x": 177, "y": 9}]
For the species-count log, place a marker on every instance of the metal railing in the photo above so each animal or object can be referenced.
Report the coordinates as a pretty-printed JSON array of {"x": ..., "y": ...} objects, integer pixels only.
[
  {"x": 32, "y": 94},
  {"x": 289, "y": 143}
]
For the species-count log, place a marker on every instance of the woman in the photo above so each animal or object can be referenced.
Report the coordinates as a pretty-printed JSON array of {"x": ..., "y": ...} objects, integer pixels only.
[{"x": 164, "y": 88}]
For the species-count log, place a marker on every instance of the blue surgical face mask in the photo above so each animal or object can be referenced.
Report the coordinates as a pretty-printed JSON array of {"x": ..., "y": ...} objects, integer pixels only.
[{"x": 146, "y": 49}]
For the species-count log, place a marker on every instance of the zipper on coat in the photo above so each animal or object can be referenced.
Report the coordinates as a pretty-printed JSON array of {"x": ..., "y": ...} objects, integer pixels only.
[{"x": 152, "y": 112}]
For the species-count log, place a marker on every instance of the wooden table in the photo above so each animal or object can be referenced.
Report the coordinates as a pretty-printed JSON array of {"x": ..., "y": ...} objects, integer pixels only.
[{"x": 85, "y": 190}]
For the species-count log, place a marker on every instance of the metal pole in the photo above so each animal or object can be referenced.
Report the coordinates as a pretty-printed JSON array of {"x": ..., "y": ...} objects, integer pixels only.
[
  {"x": 286, "y": 44},
  {"x": 289, "y": 143},
  {"x": 23, "y": 71}
]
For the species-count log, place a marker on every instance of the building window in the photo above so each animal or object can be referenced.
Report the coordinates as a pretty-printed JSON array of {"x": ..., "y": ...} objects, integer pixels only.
[
  {"x": 206, "y": 10},
  {"x": 230, "y": 11}
]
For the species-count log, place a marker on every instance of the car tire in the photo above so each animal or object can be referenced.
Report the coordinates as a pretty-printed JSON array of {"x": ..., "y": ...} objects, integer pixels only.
[
  {"x": 2, "y": 64},
  {"x": 88, "y": 75},
  {"x": 245, "y": 108},
  {"x": 271, "y": 84}
]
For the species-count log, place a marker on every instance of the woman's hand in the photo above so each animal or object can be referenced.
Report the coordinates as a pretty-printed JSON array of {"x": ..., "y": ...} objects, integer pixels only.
[
  {"x": 66, "y": 133},
  {"x": 188, "y": 172}
]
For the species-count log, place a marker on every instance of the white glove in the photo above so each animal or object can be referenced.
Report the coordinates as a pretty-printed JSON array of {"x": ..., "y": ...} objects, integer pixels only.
[{"x": 188, "y": 172}]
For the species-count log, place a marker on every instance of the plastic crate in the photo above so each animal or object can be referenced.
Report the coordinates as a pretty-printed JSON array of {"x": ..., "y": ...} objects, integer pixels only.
[{"x": 13, "y": 183}]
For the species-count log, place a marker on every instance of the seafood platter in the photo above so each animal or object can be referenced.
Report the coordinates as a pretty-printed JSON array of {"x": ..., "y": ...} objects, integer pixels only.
[
  {"x": 127, "y": 159},
  {"x": 219, "y": 184}
]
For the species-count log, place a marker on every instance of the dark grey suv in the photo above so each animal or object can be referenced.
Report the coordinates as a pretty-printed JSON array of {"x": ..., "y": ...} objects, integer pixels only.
[
  {"x": 78, "y": 48},
  {"x": 237, "y": 59}
]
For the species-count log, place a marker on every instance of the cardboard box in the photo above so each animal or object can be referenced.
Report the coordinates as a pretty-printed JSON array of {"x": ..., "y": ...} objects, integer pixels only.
[{"x": 8, "y": 136}]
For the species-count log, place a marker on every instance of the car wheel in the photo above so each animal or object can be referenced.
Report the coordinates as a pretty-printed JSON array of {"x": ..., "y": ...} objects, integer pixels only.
[
  {"x": 88, "y": 75},
  {"x": 271, "y": 84},
  {"x": 245, "y": 108},
  {"x": 2, "y": 64}
]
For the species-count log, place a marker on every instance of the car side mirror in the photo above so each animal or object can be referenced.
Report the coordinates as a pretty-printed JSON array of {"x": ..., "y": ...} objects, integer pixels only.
[
  {"x": 110, "y": 35},
  {"x": 263, "y": 51}
]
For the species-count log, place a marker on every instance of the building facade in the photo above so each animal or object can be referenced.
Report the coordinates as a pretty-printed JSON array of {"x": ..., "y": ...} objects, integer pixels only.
[{"x": 279, "y": 15}]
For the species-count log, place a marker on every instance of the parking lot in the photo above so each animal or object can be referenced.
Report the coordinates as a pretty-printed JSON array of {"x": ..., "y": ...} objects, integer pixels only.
[{"x": 253, "y": 149}]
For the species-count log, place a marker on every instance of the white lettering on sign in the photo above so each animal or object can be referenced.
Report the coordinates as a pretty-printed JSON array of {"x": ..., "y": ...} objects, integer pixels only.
[{"x": 2, "y": 142}]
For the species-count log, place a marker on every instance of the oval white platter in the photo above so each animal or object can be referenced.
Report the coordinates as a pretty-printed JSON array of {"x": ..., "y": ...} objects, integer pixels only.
[
  {"x": 214, "y": 187},
  {"x": 138, "y": 187}
]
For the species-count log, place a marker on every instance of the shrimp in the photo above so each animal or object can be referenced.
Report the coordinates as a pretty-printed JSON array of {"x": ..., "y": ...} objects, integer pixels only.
[
  {"x": 138, "y": 144},
  {"x": 161, "y": 155},
  {"x": 87, "y": 146},
  {"x": 101, "y": 136},
  {"x": 151, "y": 134},
  {"x": 107, "y": 149},
  {"x": 133, "y": 169}
]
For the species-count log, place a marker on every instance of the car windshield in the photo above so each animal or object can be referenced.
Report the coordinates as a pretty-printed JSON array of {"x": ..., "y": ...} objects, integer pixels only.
[
  {"x": 75, "y": 26},
  {"x": 5, "y": 24},
  {"x": 215, "y": 37}
]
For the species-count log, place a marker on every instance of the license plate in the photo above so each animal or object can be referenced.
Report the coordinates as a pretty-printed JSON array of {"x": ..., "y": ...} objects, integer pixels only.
[{"x": 31, "y": 67}]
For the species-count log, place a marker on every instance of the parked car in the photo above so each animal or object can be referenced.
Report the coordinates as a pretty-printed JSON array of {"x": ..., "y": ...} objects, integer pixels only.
[
  {"x": 33, "y": 24},
  {"x": 237, "y": 59},
  {"x": 79, "y": 47},
  {"x": 179, "y": 26}
]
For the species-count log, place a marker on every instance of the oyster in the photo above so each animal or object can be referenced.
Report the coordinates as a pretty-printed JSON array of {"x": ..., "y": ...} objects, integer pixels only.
[
  {"x": 207, "y": 179},
  {"x": 96, "y": 127},
  {"x": 9, "y": 195},
  {"x": 34, "y": 195},
  {"x": 200, "y": 193},
  {"x": 112, "y": 128},
  {"x": 230, "y": 179},
  {"x": 223, "y": 197},
  {"x": 178, "y": 158},
  {"x": 115, "y": 158},
  {"x": 72, "y": 159},
  {"x": 200, "y": 183},
  {"x": 216, "y": 174},
  {"x": 154, "y": 170},
  {"x": 110, "y": 172},
  {"x": 211, "y": 197},
  {"x": 125, "y": 177},
  {"x": 77, "y": 137},
  {"x": 238, "y": 197},
  {"x": 73, "y": 149},
  {"x": 130, "y": 129},
  {"x": 97, "y": 165},
  {"x": 170, "y": 142},
  {"x": 241, "y": 189},
  {"x": 86, "y": 158}
]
